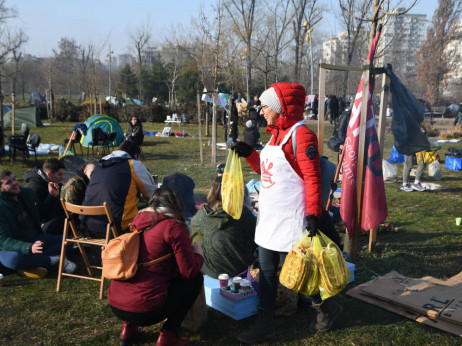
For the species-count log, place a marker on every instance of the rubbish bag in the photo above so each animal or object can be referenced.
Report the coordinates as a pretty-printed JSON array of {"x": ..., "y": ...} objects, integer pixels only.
[
  {"x": 395, "y": 157},
  {"x": 232, "y": 186},
  {"x": 390, "y": 170},
  {"x": 434, "y": 171},
  {"x": 300, "y": 270},
  {"x": 408, "y": 114},
  {"x": 334, "y": 273}
]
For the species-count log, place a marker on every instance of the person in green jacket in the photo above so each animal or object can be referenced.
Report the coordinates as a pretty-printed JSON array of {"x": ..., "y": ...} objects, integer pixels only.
[
  {"x": 228, "y": 244},
  {"x": 23, "y": 247}
]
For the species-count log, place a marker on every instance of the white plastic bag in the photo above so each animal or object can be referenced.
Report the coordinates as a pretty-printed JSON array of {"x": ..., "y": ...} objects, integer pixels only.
[
  {"x": 389, "y": 170},
  {"x": 434, "y": 171}
]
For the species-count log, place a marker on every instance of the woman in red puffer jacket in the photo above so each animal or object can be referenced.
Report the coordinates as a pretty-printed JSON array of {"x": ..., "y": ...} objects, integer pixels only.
[{"x": 166, "y": 289}]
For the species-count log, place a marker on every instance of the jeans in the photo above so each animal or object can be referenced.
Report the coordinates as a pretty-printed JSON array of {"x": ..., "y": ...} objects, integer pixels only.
[
  {"x": 269, "y": 261},
  {"x": 16, "y": 260},
  {"x": 181, "y": 296}
]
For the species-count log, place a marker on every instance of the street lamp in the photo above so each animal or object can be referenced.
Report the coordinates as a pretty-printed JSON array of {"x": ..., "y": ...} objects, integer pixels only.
[
  {"x": 308, "y": 39},
  {"x": 108, "y": 55}
]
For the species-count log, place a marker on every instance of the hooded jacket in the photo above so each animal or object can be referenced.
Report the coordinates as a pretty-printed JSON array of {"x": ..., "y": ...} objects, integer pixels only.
[
  {"x": 117, "y": 179},
  {"x": 292, "y": 98},
  {"x": 148, "y": 289},
  {"x": 228, "y": 244},
  {"x": 37, "y": 181}
]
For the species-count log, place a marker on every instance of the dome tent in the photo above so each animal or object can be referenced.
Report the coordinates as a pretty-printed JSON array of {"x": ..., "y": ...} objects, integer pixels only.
[{"x": 107, "y": 124}]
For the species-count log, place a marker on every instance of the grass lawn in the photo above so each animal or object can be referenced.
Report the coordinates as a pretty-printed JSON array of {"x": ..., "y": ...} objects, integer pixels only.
[{"x": 427, "y": 243}]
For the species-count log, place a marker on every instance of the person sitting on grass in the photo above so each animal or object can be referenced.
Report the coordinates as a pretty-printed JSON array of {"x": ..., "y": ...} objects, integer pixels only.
[
  {"x": 167, "y": 289},
  {"x": 74, "y": 190},
  {"x": 228, "y": 244},
  {"x": 23, "y": 247},
  {"x": 135, "y": 131}
]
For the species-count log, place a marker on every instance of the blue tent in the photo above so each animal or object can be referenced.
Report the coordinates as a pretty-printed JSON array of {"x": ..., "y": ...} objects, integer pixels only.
[{"x": 107, "y": 124}]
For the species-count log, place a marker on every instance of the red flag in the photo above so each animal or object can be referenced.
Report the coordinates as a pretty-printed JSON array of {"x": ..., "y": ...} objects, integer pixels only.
[{"x": 374, "y": 203}]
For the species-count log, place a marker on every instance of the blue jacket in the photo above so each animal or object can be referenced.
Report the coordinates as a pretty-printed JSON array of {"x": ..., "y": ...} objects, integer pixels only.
[{"x": 117, "y": 179}]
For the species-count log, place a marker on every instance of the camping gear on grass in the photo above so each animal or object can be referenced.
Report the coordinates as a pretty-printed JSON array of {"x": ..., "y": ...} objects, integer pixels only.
[
  {"x": 105, "y": 123},
  {"x": 28, "y": 115}
]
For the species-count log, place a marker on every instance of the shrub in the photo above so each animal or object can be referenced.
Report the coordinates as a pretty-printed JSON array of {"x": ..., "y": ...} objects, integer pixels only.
[
  {"x": 454, "y": 133},
  {"x": 65, "y": 111}
]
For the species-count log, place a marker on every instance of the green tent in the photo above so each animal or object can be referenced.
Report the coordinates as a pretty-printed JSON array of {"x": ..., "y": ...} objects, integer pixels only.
[
  {"x": 28, "y": 115},
  {"x": 107, "y": 124}
]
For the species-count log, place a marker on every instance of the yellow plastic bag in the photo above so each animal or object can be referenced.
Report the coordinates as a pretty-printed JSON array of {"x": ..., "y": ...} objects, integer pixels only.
[
  {"x": 334, "y": 273},
  {"x": 426, "y": 156},
  {"x": 300, "y": 270},
  {"x": 232, "y": 186}
]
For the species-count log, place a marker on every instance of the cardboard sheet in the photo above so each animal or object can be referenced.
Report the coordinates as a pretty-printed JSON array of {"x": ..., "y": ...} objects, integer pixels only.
[{"x": 427, "y": 300}]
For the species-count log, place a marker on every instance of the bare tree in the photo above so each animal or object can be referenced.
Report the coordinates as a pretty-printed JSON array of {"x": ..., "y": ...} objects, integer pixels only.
[
  {"x": 303, "y": 10},
  {"x": 242, "y": 14},
  {"x": 140, "y": 38},
  {"x": 65, "y": 58},
  {"x": 10, "y": 40},
  {"x": 433, "y": 62}
]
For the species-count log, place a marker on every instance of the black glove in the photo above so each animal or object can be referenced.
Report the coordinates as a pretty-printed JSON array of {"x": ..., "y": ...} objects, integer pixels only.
[
  {"x": 242, "y": 149},
  {"x": 311, "y": 225}
]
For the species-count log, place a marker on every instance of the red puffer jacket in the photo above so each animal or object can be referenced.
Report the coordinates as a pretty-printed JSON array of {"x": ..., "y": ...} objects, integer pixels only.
[
  {"x": 148, "y": 289},
  {"x": 292, "y": 98}
]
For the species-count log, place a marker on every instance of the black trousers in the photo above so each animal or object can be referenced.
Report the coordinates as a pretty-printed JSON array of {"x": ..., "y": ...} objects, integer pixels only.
[{"x": 181, "y": 296}]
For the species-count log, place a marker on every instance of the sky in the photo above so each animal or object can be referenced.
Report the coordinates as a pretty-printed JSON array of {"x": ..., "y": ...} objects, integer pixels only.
[{"x": 106, "y": 22}]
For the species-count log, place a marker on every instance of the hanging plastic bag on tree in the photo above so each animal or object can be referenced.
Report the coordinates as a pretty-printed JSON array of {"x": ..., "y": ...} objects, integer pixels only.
[
  {"x": 232, "y": 186},
  {"x": 334, "y": 273},
  {"x": 300, "y": 270}
]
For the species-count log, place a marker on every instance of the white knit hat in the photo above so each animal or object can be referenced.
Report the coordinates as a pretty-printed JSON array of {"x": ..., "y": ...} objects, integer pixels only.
[
  {"x": 271, "y": 99},
  {"x": 248, "y": 123}
]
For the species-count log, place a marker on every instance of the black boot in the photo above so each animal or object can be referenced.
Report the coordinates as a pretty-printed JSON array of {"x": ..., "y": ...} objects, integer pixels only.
[
  {"x": 328, "y": 311},
  {"x": 263, "y": 328}
]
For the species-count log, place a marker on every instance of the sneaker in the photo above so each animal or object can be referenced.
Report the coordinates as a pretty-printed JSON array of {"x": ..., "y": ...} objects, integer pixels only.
[
  {"x": 69, "y": 267},
  {"x": 35, "y": 273},
  {"x": 418, "y": 187},
  {"x": 406, "y": 188}
]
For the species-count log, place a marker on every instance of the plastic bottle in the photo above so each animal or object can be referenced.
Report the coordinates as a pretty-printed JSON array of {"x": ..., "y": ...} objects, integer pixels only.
[{"x": 209, "y": 143}]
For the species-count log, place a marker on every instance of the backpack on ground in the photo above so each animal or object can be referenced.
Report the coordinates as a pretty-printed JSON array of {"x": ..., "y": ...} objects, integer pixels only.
[{"x": 120, "y": 256}]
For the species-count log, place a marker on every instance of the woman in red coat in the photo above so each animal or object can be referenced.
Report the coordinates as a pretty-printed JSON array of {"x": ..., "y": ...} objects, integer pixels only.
[{"x": 167, "y": 289}]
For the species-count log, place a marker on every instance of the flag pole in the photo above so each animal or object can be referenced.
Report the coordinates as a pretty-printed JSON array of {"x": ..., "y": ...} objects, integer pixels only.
[{"x": 361, "y": 155}]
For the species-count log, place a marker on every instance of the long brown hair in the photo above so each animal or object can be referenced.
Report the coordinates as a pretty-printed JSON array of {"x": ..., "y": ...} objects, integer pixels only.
[
  {"x": 214, "y": 195},
  {"x": 165, "y": 197}
]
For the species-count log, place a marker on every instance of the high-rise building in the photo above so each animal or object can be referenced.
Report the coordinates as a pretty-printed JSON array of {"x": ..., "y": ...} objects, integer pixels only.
[{"x": 402, "y": 37}]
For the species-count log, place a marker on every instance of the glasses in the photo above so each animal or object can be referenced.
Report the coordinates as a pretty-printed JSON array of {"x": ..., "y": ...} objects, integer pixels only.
[{"x": 261, "y": 108}]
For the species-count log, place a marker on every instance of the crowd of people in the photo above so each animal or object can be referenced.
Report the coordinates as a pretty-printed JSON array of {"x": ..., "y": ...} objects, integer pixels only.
[{"x": 194, "y": 242}]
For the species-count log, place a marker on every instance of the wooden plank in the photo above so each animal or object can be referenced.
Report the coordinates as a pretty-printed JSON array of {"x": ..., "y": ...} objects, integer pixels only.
[
  {"x": 321, "y": 108},
  {"x": 361, "y": 155},
  {"x": 382, "y": 115}
]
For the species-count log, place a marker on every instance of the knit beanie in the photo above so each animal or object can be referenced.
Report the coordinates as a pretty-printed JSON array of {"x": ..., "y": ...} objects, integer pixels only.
[
  {"x": 271, "y": 99},
  {"x": 248, "y": 123}
]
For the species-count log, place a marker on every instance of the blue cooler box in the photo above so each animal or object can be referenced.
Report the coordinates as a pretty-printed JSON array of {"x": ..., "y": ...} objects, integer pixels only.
[{"x": 453, "y": 163}]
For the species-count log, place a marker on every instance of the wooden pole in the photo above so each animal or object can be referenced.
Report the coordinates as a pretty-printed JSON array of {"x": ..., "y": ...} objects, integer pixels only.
[
  {"x": 321, "y": 109},
  {"x": 361, "y": 155},
  {"x": 214, "y": 130},
  {"x": 200, "y": 127},
  {"x": 68, "y": 143},
  {"x": 13, "y": 115},
  {"x": 100, "y": 104},
  {"x": 381, "y": 135}
]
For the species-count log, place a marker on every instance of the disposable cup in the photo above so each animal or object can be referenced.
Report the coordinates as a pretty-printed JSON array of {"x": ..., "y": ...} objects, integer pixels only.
[
  {"x": 236, "y": 282},
  {"x": 224, "y": 278},
  {"x": 458, "y": 221},
  {"x": 245, "y": 285}
]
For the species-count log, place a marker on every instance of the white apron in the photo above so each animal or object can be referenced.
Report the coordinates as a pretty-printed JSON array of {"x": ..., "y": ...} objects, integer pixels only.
[{"x": 281, "y": 203}]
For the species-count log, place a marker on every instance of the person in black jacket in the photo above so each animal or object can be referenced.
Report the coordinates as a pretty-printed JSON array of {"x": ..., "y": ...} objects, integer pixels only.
[
  {"x": 251, "y": 135},
  {"x": 37, "y": 179},
  {"x": 253, "y": 109},
  {"x": 135, "y": 131}
]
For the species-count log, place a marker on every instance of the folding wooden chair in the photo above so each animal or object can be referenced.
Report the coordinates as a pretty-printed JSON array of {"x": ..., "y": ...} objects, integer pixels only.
[{"x": 80, "y": 240}]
